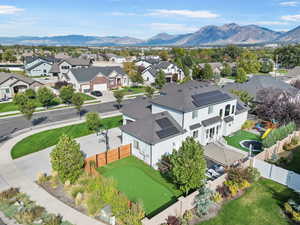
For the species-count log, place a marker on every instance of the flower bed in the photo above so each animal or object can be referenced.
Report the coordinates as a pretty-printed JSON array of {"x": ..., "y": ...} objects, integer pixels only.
[
  {"x": 91, "y": 194},
  {"x": 18, "y": 206}
]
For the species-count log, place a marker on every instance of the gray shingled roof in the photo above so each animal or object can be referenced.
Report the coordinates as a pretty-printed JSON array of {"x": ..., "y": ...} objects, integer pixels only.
[
  {"x": 77, "y": 61},
  {"x": 258, "y": 82},
  {"x": 139, "y": 109},
  {"x": 180, "y": 97},
  {"x": 36, "y": 65},
  {"x": 147, "y": 129},
  {"x": 195, "y": 126},
  {"x": 6, "y": 76},
  {"x": 30, "y": 59},
  {"x": 211, "y": 121},
  {"x": 54, "y": 68},
  {"x": 88, "y": 74},
  {"x": 228, "y": 119}
]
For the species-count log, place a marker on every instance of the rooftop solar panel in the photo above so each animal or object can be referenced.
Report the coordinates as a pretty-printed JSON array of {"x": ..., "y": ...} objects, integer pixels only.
[
  {"x": 164, "y": 123},
  {"x": 209, "y": 98},
  {"x": 167, "y": 132}
]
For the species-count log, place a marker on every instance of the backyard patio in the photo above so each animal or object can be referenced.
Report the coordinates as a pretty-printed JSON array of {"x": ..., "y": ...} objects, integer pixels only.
[{"x": 138, "y": 181}]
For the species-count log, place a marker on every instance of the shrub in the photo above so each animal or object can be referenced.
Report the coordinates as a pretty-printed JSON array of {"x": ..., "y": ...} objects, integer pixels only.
[
  {"x": 77, "y": 189},
  {"x": 30, "y": 93},
  {"x": 224, "y": 191},
  {"x": 94, "y": 204},
  {"x": 252, "y": 174},
  {"x": 278, "y": 134},
  {"x": 59, "y": 84},
  {"x": 203, "y": 201},
  {"x": 173, "y": 220},
  {"x": 236, "y": 174},
  {"x": 217, "y": 197},
  {"x": 51, "y": 219},
  {"x": 295, "y": 140},
  {"x": 42, "y": 178},
  {"x": 248, "y": 124},
  {"x": 245, "y": 184},
  {"x": 293, "y": 209},
  {"x": 233, "y": 187},
  {"x": 9, "y": 194},
  {"x": 187, "y": 217}
]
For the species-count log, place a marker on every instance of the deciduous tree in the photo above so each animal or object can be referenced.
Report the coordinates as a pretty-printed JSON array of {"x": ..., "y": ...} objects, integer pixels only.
[
  {"x": 241, "y": 76},
  {"x": 45, "y": 96},
  {"x": 66, "y": 93},
  {"x": 67, "y": 159},
  {"x": 119, "y": 95},
  {"x": 188, "y": 165},
  {"x": 93, "y": 121},
  {"x": 160, "y": 79}
]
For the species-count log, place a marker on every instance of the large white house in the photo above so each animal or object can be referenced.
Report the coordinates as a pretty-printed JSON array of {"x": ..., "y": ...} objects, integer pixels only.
[
  {"x": 156, "y": 126},
  {"x": 96, "y": 78},
  {"x": 172, "y": 71}
]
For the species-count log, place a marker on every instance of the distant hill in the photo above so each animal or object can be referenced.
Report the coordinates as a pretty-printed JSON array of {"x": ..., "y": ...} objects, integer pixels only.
[{"x": 208, "y": 35}]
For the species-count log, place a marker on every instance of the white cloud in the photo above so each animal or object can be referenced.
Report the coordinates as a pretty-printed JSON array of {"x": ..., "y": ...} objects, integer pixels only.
[
  {"x": 172, "y": 27},
  {"x": 123, "y": 14},
  {"x": 291, "y": 17},
  {"x": 202, "y": 14},
  {"x": 291, "y": 4},
  {"x": 270, "y": 23},
  {"x": 8, "y": 9}
]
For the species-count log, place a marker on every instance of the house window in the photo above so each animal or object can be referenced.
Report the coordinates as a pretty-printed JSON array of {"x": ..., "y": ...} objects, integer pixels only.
[
  {"x": 195, "y": 134},
  {"x": 207, "y": 133},
  {"x": 136, "y": 144},
  {"x": 195, "y": 114},
  {"x": 7, "y": 90},
  {"x": 221, "y": 113},
  {"x": 233, "y": 108},
  {"x": 210, "y": 109},
  {"x": 227, "y": 110}
]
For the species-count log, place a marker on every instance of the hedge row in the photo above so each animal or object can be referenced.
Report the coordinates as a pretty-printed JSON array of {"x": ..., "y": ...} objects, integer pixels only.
[{"x": 278, "y": 134}]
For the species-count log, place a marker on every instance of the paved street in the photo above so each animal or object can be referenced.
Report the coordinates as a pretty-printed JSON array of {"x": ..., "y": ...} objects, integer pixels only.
[{"x": 9, "y": 126}]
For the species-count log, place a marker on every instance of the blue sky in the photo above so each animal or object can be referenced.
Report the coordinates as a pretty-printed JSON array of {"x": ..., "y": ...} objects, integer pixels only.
[{"x": 139, "y": 18}]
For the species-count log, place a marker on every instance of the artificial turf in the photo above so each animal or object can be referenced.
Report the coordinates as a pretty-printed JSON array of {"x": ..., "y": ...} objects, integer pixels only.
[
  {"x": 262, "y": 204},
  {"x": 140, "y": 182},
  {"x": 239, "y": 136},
  {"x": 45, "y": 139}
]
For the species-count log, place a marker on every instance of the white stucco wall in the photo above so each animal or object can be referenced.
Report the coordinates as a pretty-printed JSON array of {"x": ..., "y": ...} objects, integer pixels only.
[
  {"x": 178, "y": 116},
  {"x": 148, "y": 77},
  {"x": 41, "y": 70}
]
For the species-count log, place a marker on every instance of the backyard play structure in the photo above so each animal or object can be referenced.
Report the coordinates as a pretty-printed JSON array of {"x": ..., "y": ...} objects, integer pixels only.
[{"x": 265, "y": 127}]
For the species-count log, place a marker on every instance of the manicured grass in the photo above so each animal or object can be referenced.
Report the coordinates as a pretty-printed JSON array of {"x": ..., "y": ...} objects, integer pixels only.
[
  {"x": 132, "y": 90},
  {"x": 45, "y": 139},
  {"x": 87, "y": 97},
  {"x": 260, "y": 205},
  {"x": 138, "y": 181},
  {"x": 294, "y": 164},
  {"x": 239, "y": 136},
  {"x": 8, "y": 107}
]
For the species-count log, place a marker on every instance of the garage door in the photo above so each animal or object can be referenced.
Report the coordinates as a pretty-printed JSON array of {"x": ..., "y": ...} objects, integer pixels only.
[{"x": 100, "y": 87}]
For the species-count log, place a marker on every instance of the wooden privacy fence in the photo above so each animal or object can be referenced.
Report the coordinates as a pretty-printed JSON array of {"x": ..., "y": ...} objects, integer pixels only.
[{"x": 105, "y": 158}]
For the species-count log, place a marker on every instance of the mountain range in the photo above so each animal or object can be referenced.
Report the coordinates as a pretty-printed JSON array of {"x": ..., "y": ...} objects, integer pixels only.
[{"x": 208, "y": 35}]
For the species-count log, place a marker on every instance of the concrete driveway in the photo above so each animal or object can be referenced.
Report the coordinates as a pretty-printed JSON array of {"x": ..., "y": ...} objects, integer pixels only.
[{"x": 90, "y": 145}]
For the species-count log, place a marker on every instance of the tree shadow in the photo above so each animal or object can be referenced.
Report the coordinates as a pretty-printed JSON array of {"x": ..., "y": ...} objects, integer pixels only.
[{"x": 39, "y": 120}]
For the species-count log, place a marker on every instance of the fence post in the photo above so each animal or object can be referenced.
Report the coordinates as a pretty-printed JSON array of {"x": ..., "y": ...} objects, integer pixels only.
[{"x": 119, "y": 154}]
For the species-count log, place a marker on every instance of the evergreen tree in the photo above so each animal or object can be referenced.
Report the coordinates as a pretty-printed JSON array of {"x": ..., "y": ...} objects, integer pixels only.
[{"x": 160, "y": 79}]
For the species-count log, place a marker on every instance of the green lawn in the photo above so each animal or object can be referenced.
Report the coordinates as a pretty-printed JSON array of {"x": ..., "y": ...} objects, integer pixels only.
[
  {"x": 87, "y": 97},
  {"x": 260, "y": 205},
  {"x": 10, "y": 106},
  {"x": 132, "y": 90},
  {"x": 138, "y": 181},
  {"x": 45, "y": 139},
  {"x": 294, "y": 164},
  {"x": 239, "y": 136}
]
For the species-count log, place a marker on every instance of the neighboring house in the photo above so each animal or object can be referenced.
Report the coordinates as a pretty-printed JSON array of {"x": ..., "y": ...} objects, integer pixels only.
[
  {"x": 11, "y": 84},
  {"x": 154, "y": 127},
  {"x": 217, "y": 67},
  {"x": 115, "y": 58},
  {"x": 172, "y": 71},
  {"x": 146, "y": 62},
  {"x": 62, "y": 67},
  {"x": 97, "y": 78},
  {"x": 38, "y": 65},
  {"x": 260, "y": 82}
]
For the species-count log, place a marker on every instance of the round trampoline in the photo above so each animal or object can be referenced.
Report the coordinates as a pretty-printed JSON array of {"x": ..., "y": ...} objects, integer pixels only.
[{"x": 256, "y": 145}]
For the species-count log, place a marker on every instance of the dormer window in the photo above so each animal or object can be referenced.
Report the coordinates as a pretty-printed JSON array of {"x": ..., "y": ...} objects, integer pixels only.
[
  {"x": 195, "y": 114},
  {"x": 227, "y": 110},
  {"x": 233, "y": 109}
]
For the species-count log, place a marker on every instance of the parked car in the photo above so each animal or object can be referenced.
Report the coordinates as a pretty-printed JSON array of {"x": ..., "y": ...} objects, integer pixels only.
[{"x": 97, "y": 93}]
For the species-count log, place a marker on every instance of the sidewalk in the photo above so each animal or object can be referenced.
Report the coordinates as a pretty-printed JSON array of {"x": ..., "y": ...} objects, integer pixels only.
[
  {"x": 105, "y": 99},
  {"x": 11, "y": 176}
]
